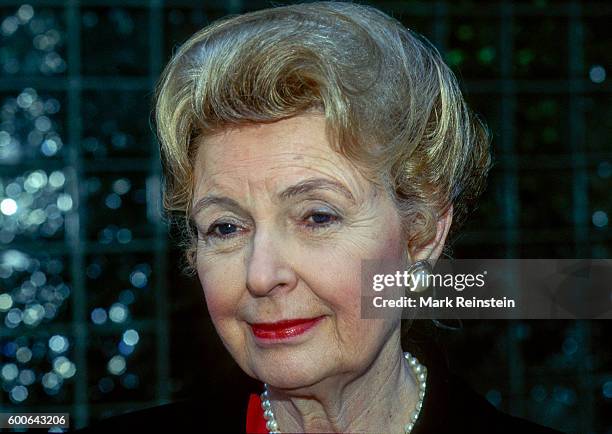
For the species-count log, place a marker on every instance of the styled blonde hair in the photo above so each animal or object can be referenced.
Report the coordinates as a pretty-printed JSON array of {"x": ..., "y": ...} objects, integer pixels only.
[{"x": 392, "y": 106}]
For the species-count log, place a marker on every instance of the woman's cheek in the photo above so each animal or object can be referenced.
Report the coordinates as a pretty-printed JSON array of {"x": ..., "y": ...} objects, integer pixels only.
[{"x": 220, "y": 290}]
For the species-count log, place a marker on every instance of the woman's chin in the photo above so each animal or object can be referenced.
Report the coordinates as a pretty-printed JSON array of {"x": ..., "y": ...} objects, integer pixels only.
[
  {"x": 293, "y": 380},
  {"x": 289, "y": 374}
]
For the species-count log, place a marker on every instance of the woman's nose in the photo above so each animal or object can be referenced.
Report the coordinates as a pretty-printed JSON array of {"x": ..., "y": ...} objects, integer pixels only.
[{"x": 269, "y": 268}]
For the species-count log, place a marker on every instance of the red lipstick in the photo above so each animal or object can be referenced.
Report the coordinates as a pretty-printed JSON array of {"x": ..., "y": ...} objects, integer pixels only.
[{"x": 283, "y": 329}]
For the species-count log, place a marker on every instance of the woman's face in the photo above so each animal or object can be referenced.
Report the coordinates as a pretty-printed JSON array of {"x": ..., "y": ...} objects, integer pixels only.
[{"x": 284, "y": 223}]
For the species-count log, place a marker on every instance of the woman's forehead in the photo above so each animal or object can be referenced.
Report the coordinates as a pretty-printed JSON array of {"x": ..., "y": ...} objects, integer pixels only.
[
  {"x": 272, "y": 158},
  {"x": 282, "y": 181},
  {"x": 292, "y": 134},
  {"x": 298, "y": 143}
]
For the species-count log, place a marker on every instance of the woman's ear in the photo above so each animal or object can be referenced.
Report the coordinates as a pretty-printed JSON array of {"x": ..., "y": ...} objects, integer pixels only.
[{"x": 433, "y": 249}]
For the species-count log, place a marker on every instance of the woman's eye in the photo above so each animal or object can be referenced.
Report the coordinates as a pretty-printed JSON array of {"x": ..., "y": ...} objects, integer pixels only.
[
  {"x": 222, "y": 230},
  {"x": 318, "y": 219}
]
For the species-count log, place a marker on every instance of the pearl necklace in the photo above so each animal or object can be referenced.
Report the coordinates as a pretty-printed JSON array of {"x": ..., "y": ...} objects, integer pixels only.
[{"x": 419, "y": 370}]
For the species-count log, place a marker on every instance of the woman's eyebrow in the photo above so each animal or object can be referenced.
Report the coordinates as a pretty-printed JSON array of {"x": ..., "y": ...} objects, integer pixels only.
[
  {"x": 208, "y": 201},
  {"x": 311, "y": 184},
  {"x": 301, "y": 188}
]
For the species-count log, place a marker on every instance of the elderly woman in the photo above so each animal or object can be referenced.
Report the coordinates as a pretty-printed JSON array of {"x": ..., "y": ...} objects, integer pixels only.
[{"x": 299, "y": 141}]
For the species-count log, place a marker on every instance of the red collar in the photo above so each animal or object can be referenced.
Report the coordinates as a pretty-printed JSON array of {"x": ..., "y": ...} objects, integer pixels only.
[{"x": 255, "y": 422}]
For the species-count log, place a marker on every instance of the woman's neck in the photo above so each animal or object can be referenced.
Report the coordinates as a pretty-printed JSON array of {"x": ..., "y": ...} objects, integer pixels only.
[{"x": 380, "y": 399}]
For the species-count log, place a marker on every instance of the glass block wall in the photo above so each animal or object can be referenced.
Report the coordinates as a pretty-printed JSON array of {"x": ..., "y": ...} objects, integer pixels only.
[
  {"x": 95, "y": 318},
  {"x": 83, "y": 261}
]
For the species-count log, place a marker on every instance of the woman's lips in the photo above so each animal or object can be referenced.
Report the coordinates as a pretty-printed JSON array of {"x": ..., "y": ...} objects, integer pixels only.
[{"x": 283, "y": 329}]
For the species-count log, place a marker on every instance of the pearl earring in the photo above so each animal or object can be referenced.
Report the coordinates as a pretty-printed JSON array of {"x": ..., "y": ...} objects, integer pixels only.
[{"x": 420, "y": 271}]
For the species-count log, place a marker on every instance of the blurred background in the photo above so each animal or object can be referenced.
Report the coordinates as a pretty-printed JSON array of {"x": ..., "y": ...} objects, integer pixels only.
[{"x": 95, "y": 317}]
